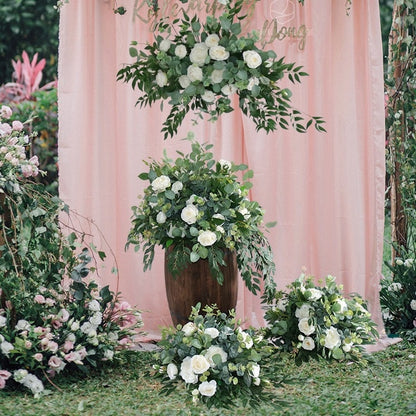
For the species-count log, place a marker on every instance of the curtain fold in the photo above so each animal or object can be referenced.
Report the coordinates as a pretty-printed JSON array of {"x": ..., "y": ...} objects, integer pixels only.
[{"x": 325, "y": 190}]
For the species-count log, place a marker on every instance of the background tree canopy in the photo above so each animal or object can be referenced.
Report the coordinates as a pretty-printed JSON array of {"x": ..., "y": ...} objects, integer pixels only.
[{"x": 30, "y": 25}]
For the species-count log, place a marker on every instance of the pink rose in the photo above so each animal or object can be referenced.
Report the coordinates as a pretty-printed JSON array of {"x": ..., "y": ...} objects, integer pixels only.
[
  {"x": 5, "y": 111},
  {"x": 38, "y": 298},
  {"x": 52, "y": 346},
  {"x": 17, "y": 125},
  {"x": 38, "y": 357},
  {"x": 4, "y": 374},
  {"x": 68, "y": 346},
  {"x": 56, "y": 364},
  {"x": 35, "y": 161}
]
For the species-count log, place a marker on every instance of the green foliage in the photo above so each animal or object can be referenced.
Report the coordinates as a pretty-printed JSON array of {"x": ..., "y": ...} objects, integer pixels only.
[
  {"x": 195, "y": 207},
  {"x": 204, "y": 64},
  {"x": 398, "y": 295},
  {"x": 42, "y": 111},
  {"x": 30, "y": 25}
]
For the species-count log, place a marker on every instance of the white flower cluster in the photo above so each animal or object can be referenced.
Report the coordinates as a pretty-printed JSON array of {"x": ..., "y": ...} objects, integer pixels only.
[
  {"x": 197, "y": 368},
  {"x": 12, "y": 149},
  {"x": 205, "y": 53}
]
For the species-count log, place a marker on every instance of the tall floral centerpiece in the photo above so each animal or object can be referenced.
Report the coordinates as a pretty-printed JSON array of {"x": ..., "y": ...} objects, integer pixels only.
[
  {"x": 196, "y": 209},
  {"x": 199, "y": 65}
]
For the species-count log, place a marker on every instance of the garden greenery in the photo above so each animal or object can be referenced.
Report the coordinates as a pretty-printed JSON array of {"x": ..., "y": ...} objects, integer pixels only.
[
  {"x": 195, "y": 207},
  {"x": 198, "y": 66},
  {"x": 52, "y": 317}
]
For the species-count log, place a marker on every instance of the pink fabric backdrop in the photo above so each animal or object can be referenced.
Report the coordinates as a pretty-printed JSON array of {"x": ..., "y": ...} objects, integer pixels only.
[{"x": 326, "y": 191}]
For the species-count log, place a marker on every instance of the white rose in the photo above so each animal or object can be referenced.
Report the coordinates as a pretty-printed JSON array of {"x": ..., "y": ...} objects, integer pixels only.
[
  {"x": 172, "y": 371},
  {"x": 199, "y": 54},
  {"x": 212, "y": 332},
  {"x": 413, "y": 304},
  {"x": 399, "y": 262},
  {"x": 252, "y": 59},
  {"x": 161, "y": 217},
  {"x": 3, "y": 321},
  {"x": 208, "y": 388},
  {"x": 255, "y": 371},
  {"x": 189, "y": 329},
  {"x": 332, "y": 338},
  {"x": 395, "y": 287},
  {"x": 343, "y": 305},
  {"x": 225, "y": 164},
  {"x": 220, "y": 229},
  {"x": 303, "y": 311},
  {"x": 165, "y": 45},
  {"x": 256, "y": 381},
  {"x": 75, "y": 326},
  {"x": 180, "y": 51},
  {"x": 194, "y": 73},
  {"x": 6, "y": 347},
  {"x": 229, "y": 89},
  {"x": 177, "y": 186},
  {"x": 207, "y": 238},
  {"x": 408, "y": 262},
  {"x": 189, "y": 214},
  {"x": 22, "y": 325},
  {"x": 315, "y": 294},
  {"x": 94, "y": 306},
  {"x": 199, "y": 364},
  {"x": 212, "y": 40},
  {"x": 186, "y": 372},
  {"x": 252, "y": 82},
  {"x": 184, "y": 81},
  {"x": 88, "y": 329},
  {"x": 245, "y": 213},
  {"x": 208, "y": 96},
  {"x": 33, "y": 384},
  {"x": 246, "y": 338},
  {"x": 215, "y": 350},
  {"x": 96, "y": 319},
  {"x": 305, "y": 328},
  {"x": 161, "y": 78},
  {"x": 161, "y": 183},
  {"x": 347, "y": 347},
  {"x": 308, "y": 344},
  {"x": 108, "y": 354},
  {"x": 219, "y": 53}
]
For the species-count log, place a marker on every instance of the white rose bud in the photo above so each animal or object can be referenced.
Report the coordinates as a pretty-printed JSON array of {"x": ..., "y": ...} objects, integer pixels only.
[
  {"x": 172, "y": 371},
  {"x": 177, "y": 186},
  {"x": 212, "y": 40},
  {"x": 308, "y": 344},
  {"x": 413, "y": 304},
  {"x": 189, "y": 329},
  {"x": 161, "y": 78},
  {"x": 252, "y": 82},
  {"x": 180, "y": 51},
  {"x": 161, "y": 217},
  {"x": 165, "y": 45},
  {"x": 208, "y": 96}
]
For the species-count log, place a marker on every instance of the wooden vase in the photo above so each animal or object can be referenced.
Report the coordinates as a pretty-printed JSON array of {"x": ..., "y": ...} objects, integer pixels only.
[{"x": 196, "y": 284}]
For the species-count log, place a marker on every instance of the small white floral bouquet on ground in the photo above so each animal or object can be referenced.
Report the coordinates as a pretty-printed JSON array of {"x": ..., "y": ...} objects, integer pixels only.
[
  {"x": 312, "y": 322},
  {"x": 215, "y": 359},
  {"x": 198, "y": 66}
]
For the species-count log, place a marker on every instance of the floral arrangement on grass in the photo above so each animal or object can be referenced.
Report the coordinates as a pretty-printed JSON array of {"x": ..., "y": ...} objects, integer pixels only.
[
  {"x": 196, "y": 207},
  {"x": 398, "y": 297},
  {"x": 198, "y": 66},
  {"x": 51, "y": 319},
  {"x": 80, "y": 326},
  {"x": 215, "y": 359},
  {"x": 311, "y": 321}
]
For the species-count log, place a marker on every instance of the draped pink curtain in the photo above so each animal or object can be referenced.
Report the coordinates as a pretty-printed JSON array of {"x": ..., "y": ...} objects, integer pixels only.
[{"x": 325, "y": 190}]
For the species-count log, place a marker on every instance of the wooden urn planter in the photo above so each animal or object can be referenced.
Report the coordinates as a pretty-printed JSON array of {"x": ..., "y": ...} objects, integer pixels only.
[{"x": 196, "y": 284}]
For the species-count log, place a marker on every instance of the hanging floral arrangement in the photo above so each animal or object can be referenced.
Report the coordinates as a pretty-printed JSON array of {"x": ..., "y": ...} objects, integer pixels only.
[{"x": 198, "y": 67}]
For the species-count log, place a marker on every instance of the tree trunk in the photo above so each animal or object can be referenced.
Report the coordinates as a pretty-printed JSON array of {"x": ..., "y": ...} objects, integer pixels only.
[{"x": 397, "y": 133}]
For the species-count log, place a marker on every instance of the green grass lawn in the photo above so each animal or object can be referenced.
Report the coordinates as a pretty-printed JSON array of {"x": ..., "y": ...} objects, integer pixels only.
[{"x": 386, "y": 386}]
